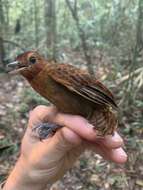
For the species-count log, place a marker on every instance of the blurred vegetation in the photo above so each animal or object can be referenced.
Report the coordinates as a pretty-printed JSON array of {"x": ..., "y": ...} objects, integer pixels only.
[
  {"x": 103, "y": 36},
  {"x": 31, "y": 100}
]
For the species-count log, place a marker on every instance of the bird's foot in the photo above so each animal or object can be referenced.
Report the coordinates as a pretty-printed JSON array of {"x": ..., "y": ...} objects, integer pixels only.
[{"x": 44, "y": 130}]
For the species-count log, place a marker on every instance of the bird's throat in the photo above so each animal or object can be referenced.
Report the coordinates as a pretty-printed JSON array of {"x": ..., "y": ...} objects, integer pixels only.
[{"x": 30, "y": 74}]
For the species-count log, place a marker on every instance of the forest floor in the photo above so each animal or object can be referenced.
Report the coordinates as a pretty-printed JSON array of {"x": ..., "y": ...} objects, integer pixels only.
[{"x": 90, "y": 172}]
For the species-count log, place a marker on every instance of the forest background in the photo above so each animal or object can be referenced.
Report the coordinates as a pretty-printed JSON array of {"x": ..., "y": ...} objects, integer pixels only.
[{"x": 103, "y": 36}]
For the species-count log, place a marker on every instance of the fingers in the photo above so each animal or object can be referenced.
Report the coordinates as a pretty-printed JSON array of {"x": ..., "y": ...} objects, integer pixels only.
[
  {"x": 57, "y": 147},
  {"x": 65, "y": 139},
  {"x": 117, "y": 155},
  {"x": 110, "y": 148},
  {"x": 112, "y": 142},
  {"x": 77, "y": 124},
  {"x": 78, "y": 128},
  {"x": 70, "y": 136}
]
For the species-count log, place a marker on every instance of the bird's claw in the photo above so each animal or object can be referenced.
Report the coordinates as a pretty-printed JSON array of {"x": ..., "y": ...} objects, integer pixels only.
[{"x": 44, "y": 130}]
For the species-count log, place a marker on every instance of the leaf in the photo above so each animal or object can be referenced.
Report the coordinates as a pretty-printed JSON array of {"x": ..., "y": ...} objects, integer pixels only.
[
  {"x": 4, "y": 148},
  {"x": 139, "y": 182}
]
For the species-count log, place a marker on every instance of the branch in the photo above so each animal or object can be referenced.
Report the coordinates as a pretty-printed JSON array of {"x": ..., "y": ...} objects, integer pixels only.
[
  {"x": 73, "y": 10},
  {"x": 15, "y": 44},
  {"x": 81, "y": 34},
  {"x": 75, "y": 7},
  {"x": 126, "y": 77}
]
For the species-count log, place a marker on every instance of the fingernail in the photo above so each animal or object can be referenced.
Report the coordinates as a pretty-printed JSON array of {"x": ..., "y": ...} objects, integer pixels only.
[
  {"x": 116, "y": 137},
  {"x": 121, "y": 152},
  {"x": 90, "y": 126}
]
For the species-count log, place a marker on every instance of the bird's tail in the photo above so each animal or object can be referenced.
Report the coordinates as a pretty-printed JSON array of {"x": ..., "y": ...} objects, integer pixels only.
[{"x": 105, "y": 121}]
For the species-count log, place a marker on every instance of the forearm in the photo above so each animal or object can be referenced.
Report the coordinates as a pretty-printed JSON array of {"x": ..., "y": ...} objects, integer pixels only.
[{"x": 21, "y": 178}]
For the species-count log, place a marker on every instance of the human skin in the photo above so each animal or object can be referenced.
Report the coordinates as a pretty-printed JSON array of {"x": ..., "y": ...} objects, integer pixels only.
[{"x": 44, "y": 162}]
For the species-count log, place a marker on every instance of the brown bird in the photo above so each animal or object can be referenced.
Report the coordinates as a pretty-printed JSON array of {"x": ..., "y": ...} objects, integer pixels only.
[{"x": 70, "y": 89}]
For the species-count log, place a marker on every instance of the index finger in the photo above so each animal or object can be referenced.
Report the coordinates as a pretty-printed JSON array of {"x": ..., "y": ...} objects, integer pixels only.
[{"x": 78, "y": 124}]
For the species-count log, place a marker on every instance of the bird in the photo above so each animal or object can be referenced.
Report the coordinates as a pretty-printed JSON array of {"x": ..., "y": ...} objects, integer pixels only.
[{"x": 71, "y": 89}]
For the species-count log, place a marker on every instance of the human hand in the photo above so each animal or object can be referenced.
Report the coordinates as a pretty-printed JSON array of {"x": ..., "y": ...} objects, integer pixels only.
[{"x": 47, "y": 161}]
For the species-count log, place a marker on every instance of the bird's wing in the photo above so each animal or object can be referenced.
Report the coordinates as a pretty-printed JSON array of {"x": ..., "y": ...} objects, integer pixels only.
[{"x": 81, "y": 83}]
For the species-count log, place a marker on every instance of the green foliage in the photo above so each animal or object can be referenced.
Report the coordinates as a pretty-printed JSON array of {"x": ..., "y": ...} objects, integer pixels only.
[
  {"x": 119, "y": 180},
  {"x": 24, "y": 108},
  {"x": 104, "y": 22},
  {"x": 7, "y": 148},
  {"x": 83, "y": 163},
  {"x": 31, "y": 99}
]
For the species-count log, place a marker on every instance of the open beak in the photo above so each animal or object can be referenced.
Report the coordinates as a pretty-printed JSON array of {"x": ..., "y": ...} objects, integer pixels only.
[{"x": 15, "y": 67}]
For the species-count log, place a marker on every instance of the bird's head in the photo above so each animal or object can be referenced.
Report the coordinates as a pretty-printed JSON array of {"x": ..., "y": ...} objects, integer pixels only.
[{"x": 28, "y": 64}]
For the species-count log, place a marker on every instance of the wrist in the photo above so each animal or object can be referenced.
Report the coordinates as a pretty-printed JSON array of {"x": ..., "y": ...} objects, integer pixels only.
[{"x": 23, "y": 177}]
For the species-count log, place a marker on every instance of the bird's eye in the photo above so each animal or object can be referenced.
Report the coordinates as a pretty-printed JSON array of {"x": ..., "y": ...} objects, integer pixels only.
[{"x": 32, "y": 60}]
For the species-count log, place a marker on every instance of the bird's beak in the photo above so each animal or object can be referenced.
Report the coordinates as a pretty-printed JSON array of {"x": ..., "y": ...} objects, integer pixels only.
[
  {"x": 14, "y": 68},
  {"x": 13, "y": 64}
]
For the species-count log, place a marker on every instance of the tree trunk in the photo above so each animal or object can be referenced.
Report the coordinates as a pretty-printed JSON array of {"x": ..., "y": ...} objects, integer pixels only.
[
  {"x": 2, "y": 51},
  {"x": 36, "y": 23},
  {"x": 50, "y": 25}
]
